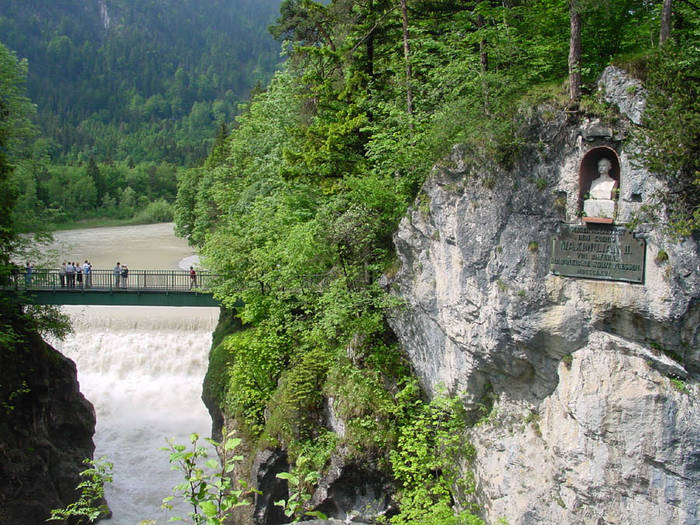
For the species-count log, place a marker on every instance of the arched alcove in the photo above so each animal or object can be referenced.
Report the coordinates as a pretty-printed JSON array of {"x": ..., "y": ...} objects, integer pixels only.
[{"x": 588, "y": 171}]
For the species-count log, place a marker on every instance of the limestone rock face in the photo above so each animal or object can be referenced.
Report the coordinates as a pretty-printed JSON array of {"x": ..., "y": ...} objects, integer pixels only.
[
  {"x": 46, "y": 429},
  {"x": 625, "y": 92},
  {"x": 594, "y": 383}
]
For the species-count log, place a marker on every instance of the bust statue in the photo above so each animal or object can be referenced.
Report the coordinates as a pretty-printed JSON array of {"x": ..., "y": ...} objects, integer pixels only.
[
  {"x": 601, "y": 188},
  {"x": 600, "y": 202}
]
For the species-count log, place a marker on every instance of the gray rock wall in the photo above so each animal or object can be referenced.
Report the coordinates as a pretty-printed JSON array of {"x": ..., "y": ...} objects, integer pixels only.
[
  {"x": 46, "y": 429},
  {"x": 587, "y": 426}
]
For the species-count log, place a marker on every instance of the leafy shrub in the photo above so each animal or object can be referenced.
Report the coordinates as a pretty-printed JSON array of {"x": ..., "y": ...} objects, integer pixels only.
[
  {"x": 207, "y": 488},
  {"x": 256, "y": 357},
  {"x": 296, "y": 407},
  {"x": 669, "y": 143},
  {"x": 156, "y": 211},
  {"x": 89, "y": 507},
  {"x": 430, "y": 442}
]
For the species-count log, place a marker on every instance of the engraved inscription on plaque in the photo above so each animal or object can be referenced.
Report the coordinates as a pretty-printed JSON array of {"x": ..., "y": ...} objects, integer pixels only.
[{"x": 611, "y": 254}]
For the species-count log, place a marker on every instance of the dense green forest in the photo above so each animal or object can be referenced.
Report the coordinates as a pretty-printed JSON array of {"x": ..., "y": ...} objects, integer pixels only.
[
  {"x": 16, "y": 133},
  {"x": 298, "y": 205},
  {"x": 142, "y": 81},
  {"x": 137, "y": 89}
]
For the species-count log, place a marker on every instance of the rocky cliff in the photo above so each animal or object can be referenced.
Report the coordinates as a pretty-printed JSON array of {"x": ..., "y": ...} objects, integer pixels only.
[
  {"x": 46, "y": 428},
  {"x": 587, "y": 388}
]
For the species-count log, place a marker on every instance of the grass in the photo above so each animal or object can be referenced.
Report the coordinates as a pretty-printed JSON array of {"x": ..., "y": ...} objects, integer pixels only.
[
  {"x": 679, "y": 385},
  {"x": 661, "y": 257},
  {"x": 567, "y": 360}
]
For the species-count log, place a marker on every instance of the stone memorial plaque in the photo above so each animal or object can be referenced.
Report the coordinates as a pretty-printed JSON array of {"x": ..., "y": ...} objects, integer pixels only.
[{"x": 610, "y": 254}]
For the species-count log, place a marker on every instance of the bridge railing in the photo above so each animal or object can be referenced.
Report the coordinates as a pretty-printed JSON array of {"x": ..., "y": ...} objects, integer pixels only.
[{"x": 101, "y": 280}]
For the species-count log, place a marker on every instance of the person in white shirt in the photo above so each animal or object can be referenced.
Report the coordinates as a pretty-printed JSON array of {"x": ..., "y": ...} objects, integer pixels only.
[
  {"x": 70, "y": 275},
  {"x": 87, "y": 274},
  {"x": 62, "y": 274}
]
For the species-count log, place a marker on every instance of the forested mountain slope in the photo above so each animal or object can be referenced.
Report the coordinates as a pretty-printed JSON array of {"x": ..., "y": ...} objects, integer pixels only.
[{"x": 139, "y": 80}]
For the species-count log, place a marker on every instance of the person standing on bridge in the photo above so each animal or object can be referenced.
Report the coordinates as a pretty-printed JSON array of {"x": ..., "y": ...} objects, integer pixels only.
[
  {"x": 87, "y": 274},
  {"x": 125, "y": 274},
  {"x": 117, "y": 273},
  {"x": 193, "y": 278},
  {"x": 62, "y": 274},
  {"x": 28, "y": 275},
  {"x": 70, "y": 275}
]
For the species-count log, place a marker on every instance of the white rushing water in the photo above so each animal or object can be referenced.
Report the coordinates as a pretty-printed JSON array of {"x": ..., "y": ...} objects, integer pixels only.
[{"x": 141, "y": 367}]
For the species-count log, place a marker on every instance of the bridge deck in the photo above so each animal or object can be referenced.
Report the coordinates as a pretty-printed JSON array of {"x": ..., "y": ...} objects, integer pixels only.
[{"x": 104, "y": 287}]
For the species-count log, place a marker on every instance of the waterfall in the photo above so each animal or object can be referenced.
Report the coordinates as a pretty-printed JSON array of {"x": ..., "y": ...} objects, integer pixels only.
[{"x": 142, "y": 368}]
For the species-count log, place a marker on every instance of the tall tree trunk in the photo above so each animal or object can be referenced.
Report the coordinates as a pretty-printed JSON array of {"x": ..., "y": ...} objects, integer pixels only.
[
  {"x": 406, "y": 54},
  {"x": 484, "y": 59},
  {"x": 574, "y": 52},
  {"x": 370, "y": 43},
  {"x": 665, "y": 22}
]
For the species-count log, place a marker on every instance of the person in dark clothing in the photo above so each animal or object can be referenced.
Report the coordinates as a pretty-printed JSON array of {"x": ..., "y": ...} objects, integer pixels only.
[
  {"x": 28, "y": 275},
  {"x": 193, "y": 278}
]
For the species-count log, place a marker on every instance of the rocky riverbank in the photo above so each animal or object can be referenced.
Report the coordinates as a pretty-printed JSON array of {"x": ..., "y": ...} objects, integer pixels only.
[{"x": 46, "y": 429}]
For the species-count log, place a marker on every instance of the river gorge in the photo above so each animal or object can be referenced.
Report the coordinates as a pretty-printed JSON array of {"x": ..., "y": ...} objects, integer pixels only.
[{"x": 141, "y": 367}]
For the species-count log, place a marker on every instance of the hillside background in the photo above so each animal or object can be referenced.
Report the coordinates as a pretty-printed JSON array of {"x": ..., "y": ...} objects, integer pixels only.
[
  {"x": 139, "y": 80},
  {"x": 128, "y": 94}
]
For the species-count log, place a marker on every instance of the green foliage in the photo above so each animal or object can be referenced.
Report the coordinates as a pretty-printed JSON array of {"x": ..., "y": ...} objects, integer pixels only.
[
  {"x": 220, "y": 358},
  {"x": 316, "y": 451},
  {"x": 296, "y": 407},
  {"x": 153, "y": 86},
  {"x": 9, "y": 405},
  {"x": 156, "y": 211},
  {"x": 533, "y": 419},
  {"x": 90, "y": 506},
  {"x": 679, "y": 385},
  {"x": 425, "y": 462},
  {"x": 16, "y": 136},
  {"x": 207, "y": 488},
  {"x": 670, "y": 143},
  {"x": 15, "y": 110},
  {"x": 300, "y": 483},
  {"x": 47, "y": 320},
  {"x": 297, "y": 205},
  {"x": 67, "y": 194},
  {"x": 255, "y": 356},
  {"x": 661, "y": 257},
  {"x": 567, "y": 360},
  {"x": 363, "y": 403}
]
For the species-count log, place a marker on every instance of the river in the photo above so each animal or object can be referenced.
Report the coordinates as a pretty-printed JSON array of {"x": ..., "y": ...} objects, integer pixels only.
[{"x": 141, "y": 367}]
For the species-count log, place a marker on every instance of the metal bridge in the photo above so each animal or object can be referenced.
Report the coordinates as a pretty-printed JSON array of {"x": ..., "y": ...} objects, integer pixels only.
[{"x": 104, "y": 287}]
